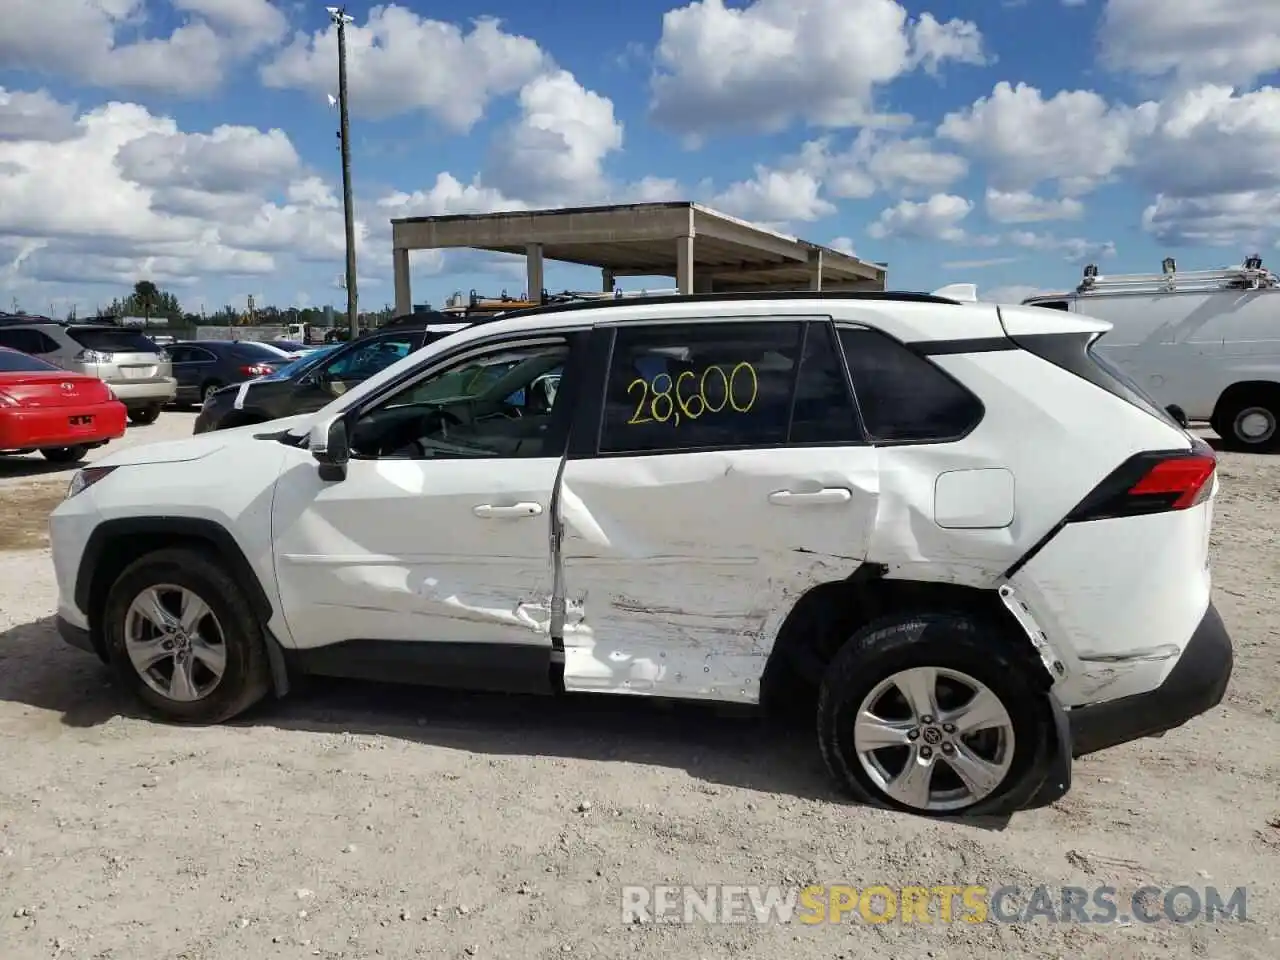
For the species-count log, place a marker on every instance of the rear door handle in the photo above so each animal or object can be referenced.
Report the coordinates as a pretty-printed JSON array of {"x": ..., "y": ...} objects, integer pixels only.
[
  {"x": 785, "y": 498},
  {"x": 487, "y": 511}
]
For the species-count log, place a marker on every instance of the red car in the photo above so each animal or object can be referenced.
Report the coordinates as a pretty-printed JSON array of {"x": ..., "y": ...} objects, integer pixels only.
[{"x": 60, "y": 414}]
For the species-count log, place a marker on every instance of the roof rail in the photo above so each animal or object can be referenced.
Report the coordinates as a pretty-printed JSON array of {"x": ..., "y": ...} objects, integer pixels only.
[
  {"x": 903, "y": 296},
  {"x": 14, "y": 319},
  {"x": 1251, "y": 275}
]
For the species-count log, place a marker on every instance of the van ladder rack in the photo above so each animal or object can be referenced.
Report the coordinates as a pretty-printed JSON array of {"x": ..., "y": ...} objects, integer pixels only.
[{"x": 1251, "y": 276}]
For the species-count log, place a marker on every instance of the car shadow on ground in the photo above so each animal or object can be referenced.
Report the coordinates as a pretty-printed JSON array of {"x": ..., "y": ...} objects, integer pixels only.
[
  {"x": 724, "y": 746},
  {"x": 14, "y": 467},
  {"x": 30, "y": 465}
]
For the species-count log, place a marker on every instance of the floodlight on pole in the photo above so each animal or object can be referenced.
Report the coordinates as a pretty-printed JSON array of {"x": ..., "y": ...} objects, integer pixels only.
[{"x": 339, "y": 17}]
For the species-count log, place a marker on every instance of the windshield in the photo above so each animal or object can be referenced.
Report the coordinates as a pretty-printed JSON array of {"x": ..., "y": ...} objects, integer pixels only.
[
  {"x": 109, "y": 340},
  {"x": 431, "y": 343},
  {"x": 11, "y": 361},
  {"x": 302, "y": 364}
]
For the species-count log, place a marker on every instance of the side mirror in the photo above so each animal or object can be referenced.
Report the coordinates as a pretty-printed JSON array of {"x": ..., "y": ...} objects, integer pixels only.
[{"x": 328, "y": 444}]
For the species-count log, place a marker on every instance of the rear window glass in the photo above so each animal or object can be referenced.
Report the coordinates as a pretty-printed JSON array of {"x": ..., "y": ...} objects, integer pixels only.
[
  {"x": 257, "y": 351},
  {"x": 902, "y": 395},
  {"x": 13, "y": 362},
  {"x": 113, "y": 341}
]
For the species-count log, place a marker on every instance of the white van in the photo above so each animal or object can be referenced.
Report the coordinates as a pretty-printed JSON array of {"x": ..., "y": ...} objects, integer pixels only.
[{"x": 1204, "y": 343}]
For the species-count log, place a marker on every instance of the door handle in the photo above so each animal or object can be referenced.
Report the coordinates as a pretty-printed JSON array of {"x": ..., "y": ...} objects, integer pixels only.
[
  {"x": 487, "y": 511},
  {"x": 785, "y": 498}
]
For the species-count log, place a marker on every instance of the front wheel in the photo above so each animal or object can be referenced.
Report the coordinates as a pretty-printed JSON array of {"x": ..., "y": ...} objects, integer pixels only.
[
  {"x": 183, "y": 637},
  {"x": 932, "y": 716},
  {"x": 144, "y": 415},
  {"x": 64, "y": 454}
]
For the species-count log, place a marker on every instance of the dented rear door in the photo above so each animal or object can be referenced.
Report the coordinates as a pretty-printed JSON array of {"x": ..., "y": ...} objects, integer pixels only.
[{"x": 722, "y": 475}]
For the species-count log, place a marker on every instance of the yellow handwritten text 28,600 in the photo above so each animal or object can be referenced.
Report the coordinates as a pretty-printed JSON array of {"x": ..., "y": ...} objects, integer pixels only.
[{"x": 689, "y": 396}]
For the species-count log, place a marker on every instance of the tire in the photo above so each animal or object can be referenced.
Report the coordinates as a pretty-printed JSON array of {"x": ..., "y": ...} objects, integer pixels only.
[
  {"x": 64, "y": 454},
  {"x": 1250, "y": 424},
  {"x": 954, "y": 647},
  {"x": 142, "y": 416},
  {"x": 231, "y": 626},
  {"x": 207, "y": 389}
]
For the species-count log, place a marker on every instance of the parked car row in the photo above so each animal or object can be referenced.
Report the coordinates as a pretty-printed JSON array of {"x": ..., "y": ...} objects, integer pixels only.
[
  {"x": 60, "y": 414},
  {"x": 68, "y": 386},
  {"x": 137, "y": 371},
  {"x": 312, "y": 381}
]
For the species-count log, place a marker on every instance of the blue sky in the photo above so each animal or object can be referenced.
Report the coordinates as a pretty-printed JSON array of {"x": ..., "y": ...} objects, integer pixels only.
[{"x": 1004, "y": 143}]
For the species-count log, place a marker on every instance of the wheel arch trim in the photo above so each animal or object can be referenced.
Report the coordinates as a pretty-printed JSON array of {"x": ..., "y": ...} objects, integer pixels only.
[{"x": 180, "y": 528}]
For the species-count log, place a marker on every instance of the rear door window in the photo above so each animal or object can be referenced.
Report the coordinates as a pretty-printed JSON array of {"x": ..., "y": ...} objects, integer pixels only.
[
  {"x": 28, "y": 341},
  {"x": 11, "y": 362},
  {"x": 113, "y": 341},
  {"x": 705, "y": 385},
  {"x": 904, "y": 397}
]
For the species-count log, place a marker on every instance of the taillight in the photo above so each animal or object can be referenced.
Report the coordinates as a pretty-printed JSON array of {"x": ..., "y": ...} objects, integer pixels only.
[
  {"x": 93, "y": 356},
  {"x": 255, "y": 370},
  {"x": 1153, "y": 483}
]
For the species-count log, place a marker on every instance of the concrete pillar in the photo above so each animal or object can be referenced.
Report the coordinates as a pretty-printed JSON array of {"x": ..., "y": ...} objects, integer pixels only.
[
  {"x": 684, "y": 264},
  {"x": 533, "y": 270},
  {"x": 607, "y": 281},
  {"x": 404, "y": 288},
  {"x": 815, "y": 269}
]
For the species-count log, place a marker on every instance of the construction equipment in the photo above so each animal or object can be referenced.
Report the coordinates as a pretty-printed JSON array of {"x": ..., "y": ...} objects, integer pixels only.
[{"x": 1250, "y": 275}]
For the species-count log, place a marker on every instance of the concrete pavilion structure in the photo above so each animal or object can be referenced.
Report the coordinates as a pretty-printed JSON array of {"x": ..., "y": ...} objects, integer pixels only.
[{"x": 704, "y": 250}]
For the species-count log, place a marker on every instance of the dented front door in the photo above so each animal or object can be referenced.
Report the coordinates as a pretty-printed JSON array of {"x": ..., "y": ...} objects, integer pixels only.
[
  {"x": 416, "y": 550},
  {"x": 679, "y": 567}
]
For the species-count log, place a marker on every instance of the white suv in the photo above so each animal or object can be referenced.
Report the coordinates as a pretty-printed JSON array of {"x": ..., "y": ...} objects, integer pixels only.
[{"x": 969, "y": 547}]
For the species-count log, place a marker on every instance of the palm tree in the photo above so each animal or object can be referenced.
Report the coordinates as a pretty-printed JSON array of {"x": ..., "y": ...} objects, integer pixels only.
[{"x": 147, "y": 295}]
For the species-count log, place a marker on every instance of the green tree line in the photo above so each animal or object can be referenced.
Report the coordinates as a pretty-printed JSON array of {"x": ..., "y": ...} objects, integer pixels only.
[{"x": 150, "y": 301}]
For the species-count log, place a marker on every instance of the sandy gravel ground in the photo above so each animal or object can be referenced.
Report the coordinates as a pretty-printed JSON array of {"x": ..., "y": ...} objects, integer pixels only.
[{"x": 362, "y": 821}]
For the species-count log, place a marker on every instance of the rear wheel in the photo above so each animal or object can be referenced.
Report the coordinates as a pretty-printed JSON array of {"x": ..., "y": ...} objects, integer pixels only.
[
  {"x": 181, "y": 634},
  {"x": 1250, "y": 424},
  {"x": 209, "y": 389},
  {"x": 930, "y": 715},
  {"x": 144, "y": 415},
  {"x": 64, "y": 454}
]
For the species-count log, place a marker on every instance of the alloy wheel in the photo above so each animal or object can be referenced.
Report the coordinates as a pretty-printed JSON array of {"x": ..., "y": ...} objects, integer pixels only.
[
  {"x": 175, "y": 643},
  {"x": 934, "y": 739}
]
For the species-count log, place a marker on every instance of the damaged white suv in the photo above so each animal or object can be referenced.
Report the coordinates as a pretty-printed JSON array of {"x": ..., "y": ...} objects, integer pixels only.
[{"x": 947, "y": 529}]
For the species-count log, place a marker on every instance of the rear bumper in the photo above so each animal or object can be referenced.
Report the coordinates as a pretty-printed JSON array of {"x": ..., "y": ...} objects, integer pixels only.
[
  {"x": 1195, "y": 685},
  {"x": 136, "y": 393},
  {"x": 37, "y": 428}
]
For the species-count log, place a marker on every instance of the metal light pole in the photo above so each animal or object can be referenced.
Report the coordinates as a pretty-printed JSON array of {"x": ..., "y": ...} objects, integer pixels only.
[{"x": 339, "y": 16}]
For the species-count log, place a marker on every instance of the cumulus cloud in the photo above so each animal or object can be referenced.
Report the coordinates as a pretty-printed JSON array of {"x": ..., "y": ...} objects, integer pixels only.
[
  {"x": 770, "y": 62},
  {"x": 1191, "y": 41},
  {"x": 399, "y": 62},
  {"x": 103, "y": 42},
  {"x": 128, "y": 194}
]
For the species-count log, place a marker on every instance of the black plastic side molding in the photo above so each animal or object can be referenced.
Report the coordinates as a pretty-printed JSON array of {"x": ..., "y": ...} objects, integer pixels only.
[{"x": 177, "y": 528}]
